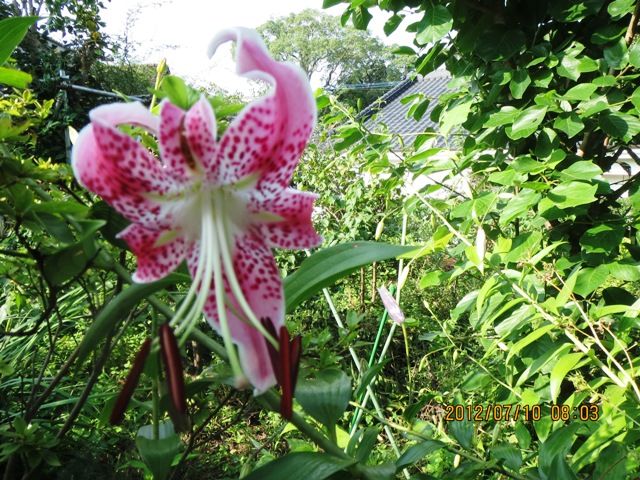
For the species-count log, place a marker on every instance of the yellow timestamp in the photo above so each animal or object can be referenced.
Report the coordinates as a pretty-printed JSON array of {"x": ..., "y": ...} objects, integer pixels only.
[{"x": 504, "y": 412}]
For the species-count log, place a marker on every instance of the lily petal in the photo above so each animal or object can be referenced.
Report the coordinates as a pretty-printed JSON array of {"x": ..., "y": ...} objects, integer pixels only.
[
  {"x": 260, "y": 282},
  {"x": 133, "y": 113},
  {"x": 200, "y": 126},
  {"x": 110, "y": 180},
  {"x": 274, "y": 129},
  {"x": 154, "y": 261},
  {"x": 171, "y": 149},
  {"x": 295, "y": 230}
]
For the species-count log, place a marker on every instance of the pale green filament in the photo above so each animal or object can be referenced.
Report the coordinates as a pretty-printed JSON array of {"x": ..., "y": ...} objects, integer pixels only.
[
  {"x": 221, "y": 227},
  {"x": 215, "y": 260}
]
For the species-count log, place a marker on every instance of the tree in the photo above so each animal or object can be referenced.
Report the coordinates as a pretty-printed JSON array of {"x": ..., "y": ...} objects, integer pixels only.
[{"x": 337, "y": 55}]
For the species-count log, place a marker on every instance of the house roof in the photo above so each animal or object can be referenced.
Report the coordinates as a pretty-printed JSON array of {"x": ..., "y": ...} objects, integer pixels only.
[{"x": 389, "y": 111}]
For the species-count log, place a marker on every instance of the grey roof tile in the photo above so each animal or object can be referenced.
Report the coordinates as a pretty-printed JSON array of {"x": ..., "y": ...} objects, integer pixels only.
[{"x": 389, "y": 111}]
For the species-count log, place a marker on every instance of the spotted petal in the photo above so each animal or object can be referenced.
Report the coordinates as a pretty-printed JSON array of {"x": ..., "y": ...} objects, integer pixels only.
[
  {"x": 273, "y": 130},
  {"x": 294, "y": 229},
  {"x": 260, "y": 282},
  {"x": 119, "y": 169},
  {"x": 159, "y": 252},
  {"x": 187, "y": 140}
]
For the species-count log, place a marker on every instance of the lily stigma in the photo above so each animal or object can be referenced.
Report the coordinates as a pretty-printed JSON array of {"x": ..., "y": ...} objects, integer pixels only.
[{"x": 220, "y": 204}]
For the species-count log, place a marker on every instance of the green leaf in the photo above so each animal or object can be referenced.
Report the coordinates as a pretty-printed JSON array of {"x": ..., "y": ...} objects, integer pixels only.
[
  {"x": 620, "y": 125},
  {"x": 304, "y": 465},
  {"x": 68, "y": 262},
  {"x": 454, "y": 115},
  {"x": 616, "y": 56},
  {"x": 589, "y": 279},
  {"x": 580, "y": 92},
  {"x": 332, "y": 3},
  {"x": 462, "y": 431},
  {"x": 613, "y": 428},
  {"x": 582, "y": 170},
  {"x": 367, "y": 377},
  {"x": 361, "y": 18},
  {"x": 432, "y": 279},
  {"x": 61, "y": 207},
  {"x": 418, "y": 451},
  {"x": 14, "y": 78},
  {"x": 634, "y": 54},
  {"x": 574, "y": 10},
  {"x": 178, "y": 92},
  {"x": 505, "y": 116},
  {"x": 368, "y": 440},
  {"x": 602, "y": 239},
  {"x": 557, "y": 444},
  {"x": 323, "y": 268},
  {"x": 568, "y": 123},
  {"x": 509, "y": 454},
  {"x": 520, "y": 80},
  {"x": 435, "y": 24},
  {"x": 12, "y": 31},
  {"x": 526, "y": 122},
  {"x": 560, "y": 470},
  {"x": 611, "y": 463},
  {"x": 117, "y": 309},
  {"x": 158, "y": 454},
  {"x": 619, "y": 8},
  {"x": 529, "y": 339},
  {"x": 326, "y": 396},
  {"x": 523, "y": 246},
  {"x": 392, "y": 24},
  {"x": 572, "y": 194},
  {"x": 564, "y": 365},
  {"x": 567, "y": 289}
]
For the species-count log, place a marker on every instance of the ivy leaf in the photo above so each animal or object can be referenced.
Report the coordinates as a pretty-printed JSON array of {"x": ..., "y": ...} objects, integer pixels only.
[
  {"x": 582, "y": 170},
  {"x": 435, "y": 24},
  {"x": 580, "y": 92},
  {"x": 526, "y": 122},
  {"x": 569, "y": 123},
  {"x": 620, "y": 125},
  {"x": 616, "y": 56},
  {"x": 572, "y": 194},
  {"x": 520, "y": 80},
  {"x": 392, "y": 24},
  {"x": 619, "y": 8},
  {"x": 634, "y": 54}
]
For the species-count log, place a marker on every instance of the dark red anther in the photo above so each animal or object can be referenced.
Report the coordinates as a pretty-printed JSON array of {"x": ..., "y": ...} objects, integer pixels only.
[
  {"x": 286, "y": 404},
  {"x": 285, "y": 362},
  {"x": 117, "y": 414},
  {"x": 173, "y": 368}
]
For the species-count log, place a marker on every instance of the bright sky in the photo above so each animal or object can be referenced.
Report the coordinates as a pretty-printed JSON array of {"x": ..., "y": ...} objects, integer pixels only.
[{"x": 180, "y": 31}]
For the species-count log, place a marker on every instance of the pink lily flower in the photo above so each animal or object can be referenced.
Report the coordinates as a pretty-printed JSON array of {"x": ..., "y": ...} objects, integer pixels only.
[{"x": 220, "y": 204}]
